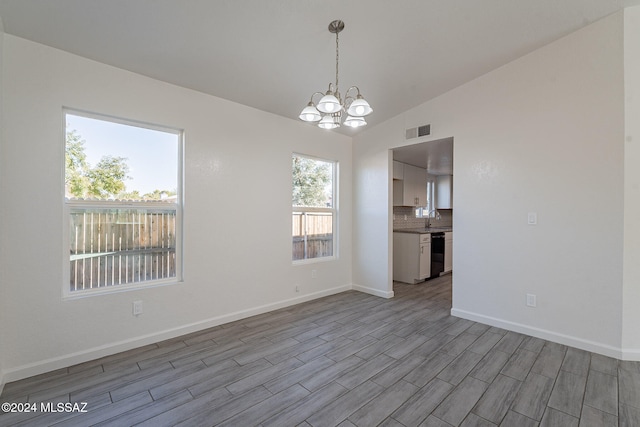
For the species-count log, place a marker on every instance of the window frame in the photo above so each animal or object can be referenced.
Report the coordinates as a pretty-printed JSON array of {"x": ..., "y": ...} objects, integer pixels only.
[
  {"x": 428, "y": 211},
  {"x": 333, "y": 210},
  {"x": 68, "y": 205}
]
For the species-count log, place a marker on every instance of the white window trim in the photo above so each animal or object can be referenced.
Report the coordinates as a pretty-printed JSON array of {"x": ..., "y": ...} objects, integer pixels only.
[
  {"x": 428, "y": 211},
  {"x": 67, "y": 205},
  {"x": 333, "y": 210}
]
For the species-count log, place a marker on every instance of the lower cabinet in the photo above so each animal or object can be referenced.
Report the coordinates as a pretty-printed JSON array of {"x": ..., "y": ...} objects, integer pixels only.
[
  {"x": 425, "y": 259},
  {"x": 411, "y": 257},
  {"x": 448, "y": 251}
]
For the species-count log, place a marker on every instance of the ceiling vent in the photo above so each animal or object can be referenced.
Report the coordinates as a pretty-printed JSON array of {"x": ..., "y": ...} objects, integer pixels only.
[{"x": 417, "y": 132}]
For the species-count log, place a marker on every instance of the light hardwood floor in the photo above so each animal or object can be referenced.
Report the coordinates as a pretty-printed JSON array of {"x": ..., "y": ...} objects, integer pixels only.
[{"x": 348, "y": 359}]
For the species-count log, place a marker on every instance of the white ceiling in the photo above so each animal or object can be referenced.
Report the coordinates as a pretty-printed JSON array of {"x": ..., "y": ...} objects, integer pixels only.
[
  {"x": 273, "y": 54},
  {"x": 434, "y": 156}
]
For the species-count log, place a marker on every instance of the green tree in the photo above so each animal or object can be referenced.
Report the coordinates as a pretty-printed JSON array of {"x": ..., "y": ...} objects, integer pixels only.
[
  {"x": 154, "y": 195},
  {"x": 75, "y": 178},
  {"x": 158, "y": 194},
  {"x": 103, "y": 181},
  {"x": 107, "y": 177},
  {"x": 310, "y": 181},
  {"x": 130, "y": 195}
]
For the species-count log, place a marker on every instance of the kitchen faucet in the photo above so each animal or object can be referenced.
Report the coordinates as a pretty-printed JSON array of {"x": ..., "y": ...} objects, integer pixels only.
[{"x": 438, "y": 217}]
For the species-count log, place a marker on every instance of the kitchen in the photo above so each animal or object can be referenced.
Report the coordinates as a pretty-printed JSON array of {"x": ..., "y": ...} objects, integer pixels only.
[{"x": 423, "y": 211}]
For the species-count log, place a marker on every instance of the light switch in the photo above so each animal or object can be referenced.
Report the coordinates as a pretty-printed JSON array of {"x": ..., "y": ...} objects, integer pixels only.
[
  {"x": 137, "y": 308},
  {"x": 532, "y": 218},
  {"x": 531, "y": 300}
]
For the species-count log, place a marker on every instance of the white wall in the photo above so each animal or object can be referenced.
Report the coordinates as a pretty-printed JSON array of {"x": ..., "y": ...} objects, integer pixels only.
[
  {"x": 373, "y": 211},
  {"x": 631, "y": 293},
  {"x": 541, "y": 134},
  {"x": 3, "y": 299},
  {"x": 237, "y": 215}
]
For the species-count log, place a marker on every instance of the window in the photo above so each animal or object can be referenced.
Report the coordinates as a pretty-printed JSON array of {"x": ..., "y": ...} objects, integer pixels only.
[
  {"x": 314, "y": 208},
  {"x": 122, "y": 204},
  {"x": 430, "y": 209}
]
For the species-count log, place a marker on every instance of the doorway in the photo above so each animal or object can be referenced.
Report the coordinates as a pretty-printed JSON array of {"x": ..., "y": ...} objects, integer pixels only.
[{"x": 422, "y": 203}]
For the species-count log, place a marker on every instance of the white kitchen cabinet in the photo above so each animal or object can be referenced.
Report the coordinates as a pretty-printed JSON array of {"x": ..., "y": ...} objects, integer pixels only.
[
  {"x": 411, "y": 190},
  {"x": 444, "y": 192},
  {"x": 398, "y": 170},
  {"x": 417, "y": 179},
  {"x": 411, "y": 257},
  {"x": 425, "y": 259},
  {"x": 448, "y": 251}
]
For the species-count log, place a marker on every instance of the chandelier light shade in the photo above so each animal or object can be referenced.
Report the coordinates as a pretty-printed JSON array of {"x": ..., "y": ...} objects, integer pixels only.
[
  {"x": 310, "y": 114},
  {"x": 329, "y": 121},
  {"x": 355, "y": 121},
  {"x": 331, "y": 108},
  {"x": 329, "y": 103},
  {"x": 359, "y": 107}
]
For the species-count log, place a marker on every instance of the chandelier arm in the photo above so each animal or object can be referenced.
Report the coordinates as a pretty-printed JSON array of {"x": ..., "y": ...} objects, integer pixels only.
[
  {"x": 352, "y": 87},
  {"x": 347, "y": 102},
  {"x": 332, "y": 89},
  {"x": 314, "y": 94},
  {"x": 349, "y": 98}
]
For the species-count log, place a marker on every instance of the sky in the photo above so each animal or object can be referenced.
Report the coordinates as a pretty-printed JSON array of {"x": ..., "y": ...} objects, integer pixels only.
[{"x": 152, "y": 155}]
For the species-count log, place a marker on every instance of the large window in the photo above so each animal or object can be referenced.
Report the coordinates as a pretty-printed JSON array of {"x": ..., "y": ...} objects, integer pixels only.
[
  {"x": 123, "y": 203},
  {"x": 314, "y": 208}
]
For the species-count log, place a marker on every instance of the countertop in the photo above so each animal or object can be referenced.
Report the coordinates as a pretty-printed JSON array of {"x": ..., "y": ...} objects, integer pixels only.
[{"x": 423, "y": 230}]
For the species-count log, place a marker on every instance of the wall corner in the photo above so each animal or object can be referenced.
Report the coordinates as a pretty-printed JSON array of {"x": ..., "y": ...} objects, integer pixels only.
[
  {"x": 631, "y": 240},
  {"x": 2, "y": 257}
]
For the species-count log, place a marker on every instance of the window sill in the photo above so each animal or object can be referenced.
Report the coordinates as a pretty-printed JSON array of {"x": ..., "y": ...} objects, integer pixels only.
[
  {"x": 314, "y": 260},
  {"x": 72, "y": 295}
]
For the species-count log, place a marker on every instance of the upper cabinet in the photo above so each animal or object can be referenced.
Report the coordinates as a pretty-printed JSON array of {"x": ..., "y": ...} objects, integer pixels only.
[
  {"x": 417, "y": 183},
  {"x": 444, "y": 192},
  {"x": 398, "y": 170},
  {"x": 409, "y": 185}
]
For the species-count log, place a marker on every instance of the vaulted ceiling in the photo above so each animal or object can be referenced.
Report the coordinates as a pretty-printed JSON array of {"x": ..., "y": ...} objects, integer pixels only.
[{"x": 273, "y": 54}]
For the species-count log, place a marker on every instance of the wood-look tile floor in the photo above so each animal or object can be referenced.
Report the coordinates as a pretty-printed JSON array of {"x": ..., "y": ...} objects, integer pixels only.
[{"x": 348, "y": 359}]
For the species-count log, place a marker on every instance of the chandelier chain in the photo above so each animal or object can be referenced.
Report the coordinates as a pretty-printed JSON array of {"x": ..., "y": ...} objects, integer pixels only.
[{"x": 337, "y": 59}]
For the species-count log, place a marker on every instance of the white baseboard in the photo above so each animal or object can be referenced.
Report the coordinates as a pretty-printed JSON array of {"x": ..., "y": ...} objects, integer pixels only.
[
  {"x": 632, "y": 354},
  {"x": 595, "y": 347},
  {"x": 47, "y": 365},
  {"x": 372, "y": 291}
]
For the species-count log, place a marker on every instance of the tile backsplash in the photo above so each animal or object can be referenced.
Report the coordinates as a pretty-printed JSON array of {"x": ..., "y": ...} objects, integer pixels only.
[{"x": 399, "y": 212}]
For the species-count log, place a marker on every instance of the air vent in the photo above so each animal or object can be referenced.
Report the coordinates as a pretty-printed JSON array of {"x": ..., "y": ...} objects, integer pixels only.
[{"x": 417, "y": 132}]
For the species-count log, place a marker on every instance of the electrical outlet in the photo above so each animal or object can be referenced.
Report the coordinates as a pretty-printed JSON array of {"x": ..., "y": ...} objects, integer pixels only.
[
  {"x": 297, "y": 288},
  {"x": 532, "y": 218},
  {"x": 137, "y": 308},
  {"x": 314, "y": 274},
  {"x": 531, "y": 300}
]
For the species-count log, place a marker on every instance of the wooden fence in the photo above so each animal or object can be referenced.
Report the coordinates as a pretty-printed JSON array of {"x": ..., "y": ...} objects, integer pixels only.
[
  {"x": 312, "y": 235},
  {"x": 117, "y": 246}
]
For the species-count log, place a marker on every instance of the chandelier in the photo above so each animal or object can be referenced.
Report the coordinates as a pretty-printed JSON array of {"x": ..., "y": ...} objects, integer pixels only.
[{"x": 329, "y": 111}]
